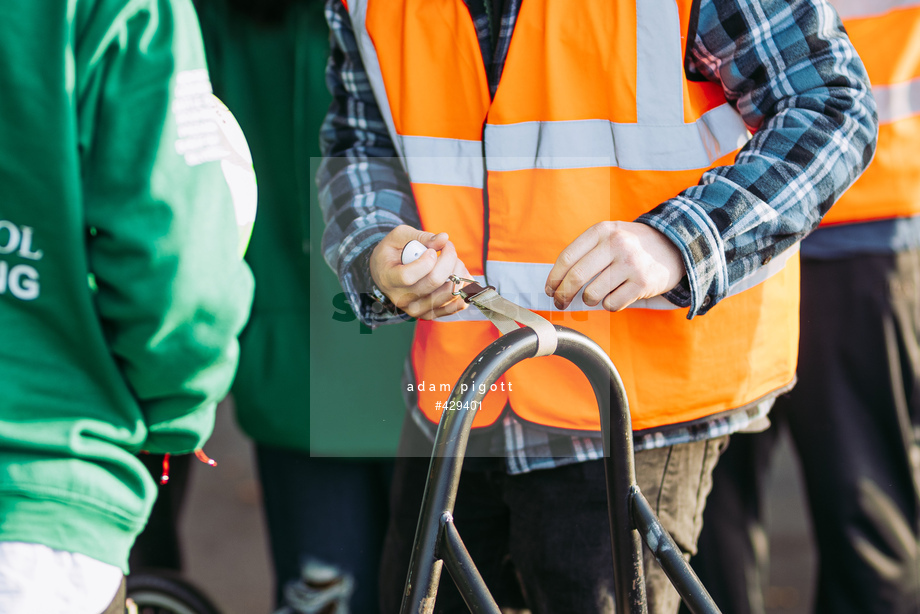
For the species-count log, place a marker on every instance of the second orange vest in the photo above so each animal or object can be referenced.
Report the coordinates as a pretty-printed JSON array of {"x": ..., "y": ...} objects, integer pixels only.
[{"x": 886, "y": 33}]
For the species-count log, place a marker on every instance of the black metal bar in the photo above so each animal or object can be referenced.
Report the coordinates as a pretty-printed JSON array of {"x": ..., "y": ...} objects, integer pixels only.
[
  {"x": 619, "y": 465},
  {"x": 463, "y": 571},
  {"x": 447, "y": 460},
  {"x": 670, "y": 556},
  {"x": 450, "y": 445}
]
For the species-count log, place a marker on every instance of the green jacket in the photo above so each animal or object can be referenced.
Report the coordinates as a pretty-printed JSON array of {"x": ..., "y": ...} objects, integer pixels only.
[
  {"x": 121, "y": 287},
  {"x": 311, "y": 378}
]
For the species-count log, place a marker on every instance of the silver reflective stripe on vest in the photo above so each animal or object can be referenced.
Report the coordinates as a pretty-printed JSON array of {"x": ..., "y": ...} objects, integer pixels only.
[
  {"x": 523, "y": 283},
  {"x": 441, "y": 161},
  {"x": 596, "y": 143},
  {"x": 897, "y": 101},
  {"x": 851, "y": 9},
  {"x": 590, "y": 143},
  {"x": 357, "y": 9},
  {"x": 659, "y": 63}
]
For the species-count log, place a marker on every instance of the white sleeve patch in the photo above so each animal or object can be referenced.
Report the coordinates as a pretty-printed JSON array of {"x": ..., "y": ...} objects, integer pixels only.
[{"x": 208, "y": 132}]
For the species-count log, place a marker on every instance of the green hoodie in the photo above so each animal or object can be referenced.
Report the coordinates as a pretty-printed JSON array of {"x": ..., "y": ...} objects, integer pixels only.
[{"x": 121, "y": 289}]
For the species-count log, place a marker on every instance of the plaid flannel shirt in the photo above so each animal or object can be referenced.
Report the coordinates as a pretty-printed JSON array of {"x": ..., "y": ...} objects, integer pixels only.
[{"x": 791, "y": 72}]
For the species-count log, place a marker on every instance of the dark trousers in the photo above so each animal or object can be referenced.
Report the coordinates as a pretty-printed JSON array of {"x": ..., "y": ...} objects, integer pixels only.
[
  {"x": 158, "y": 546},
  {"x": 854, "y": 418},
  {"x": 330, "y": 509},
  {"x": 552, "y": 524}
]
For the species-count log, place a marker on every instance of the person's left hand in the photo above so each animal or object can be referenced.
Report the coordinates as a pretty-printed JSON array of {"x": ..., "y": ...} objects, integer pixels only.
[{"x": 631, "y": 261}]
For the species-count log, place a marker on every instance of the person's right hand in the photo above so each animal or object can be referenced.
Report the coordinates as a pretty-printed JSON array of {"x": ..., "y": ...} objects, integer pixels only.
[{"x": 419, "y": 288}]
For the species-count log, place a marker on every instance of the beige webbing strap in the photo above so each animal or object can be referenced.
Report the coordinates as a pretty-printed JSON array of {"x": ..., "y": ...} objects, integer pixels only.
[{"x": 506, "y": 315}]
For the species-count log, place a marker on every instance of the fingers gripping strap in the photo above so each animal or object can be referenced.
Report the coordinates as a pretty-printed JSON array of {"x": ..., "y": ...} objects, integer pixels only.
[{"x": 505, "y": 315}]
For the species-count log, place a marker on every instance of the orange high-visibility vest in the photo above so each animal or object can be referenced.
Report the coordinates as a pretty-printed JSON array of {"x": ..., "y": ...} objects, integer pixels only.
[
  {"x": 593, "y": 120},
  {"x": 886, "y": 33}
]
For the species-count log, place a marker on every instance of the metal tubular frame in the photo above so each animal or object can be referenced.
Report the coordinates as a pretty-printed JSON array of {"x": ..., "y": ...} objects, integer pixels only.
[
  {"x": 436, "y": 539},
  {"x": 670, "y": 557},
  {"x": 458, "y": 562}
]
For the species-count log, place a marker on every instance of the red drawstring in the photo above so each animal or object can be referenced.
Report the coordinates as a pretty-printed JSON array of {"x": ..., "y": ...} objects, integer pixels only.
[
  {"x": 204, "y": 458},
  {"x": 164, "y": 477},
  {"x": 199, "y": 454}
]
